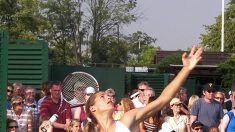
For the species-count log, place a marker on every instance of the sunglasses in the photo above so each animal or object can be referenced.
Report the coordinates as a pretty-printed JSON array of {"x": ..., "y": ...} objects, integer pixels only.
[
  {"x": 89, "y": 94},
  {"x": 220, "y": 98},
  {"x": 178, "y": 104},
  {"x": 20, "y": 103},
  {"x": 13, "y": 127},
  {"x": 11, "y": 91},
  {"x": 141, "y": 90},
  {"x": 210, "y": 91},
  {"x": 198, "y": 128}
]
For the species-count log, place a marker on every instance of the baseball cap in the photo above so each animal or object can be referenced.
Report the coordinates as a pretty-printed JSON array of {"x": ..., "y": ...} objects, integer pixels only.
[
  {"x": 196, "y": 124},
  {"x": 175, "y": 101},
  {"x": 208, "y": 86},
  {"x": 90, "y": 90}
]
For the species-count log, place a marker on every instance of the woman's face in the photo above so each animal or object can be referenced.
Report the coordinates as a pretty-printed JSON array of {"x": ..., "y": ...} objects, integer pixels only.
[
  {"x": 12, "y": 127},
  {"x": 120, "y": 106},
  {"x": 176, "y": 107},
  {"x": 76, "y": 127},
  {"x": 219, "y": 98},
  {"x": 18, "y": 105},
  {"x": 103, "y": 102}
]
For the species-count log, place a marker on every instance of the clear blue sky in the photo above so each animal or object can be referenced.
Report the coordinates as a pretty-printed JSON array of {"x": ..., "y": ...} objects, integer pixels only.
[{"x": 177, "y": 24}]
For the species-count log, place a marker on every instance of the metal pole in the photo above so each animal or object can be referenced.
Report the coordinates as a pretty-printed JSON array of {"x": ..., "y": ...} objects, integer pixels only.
[{"x": 222, "y": 28}]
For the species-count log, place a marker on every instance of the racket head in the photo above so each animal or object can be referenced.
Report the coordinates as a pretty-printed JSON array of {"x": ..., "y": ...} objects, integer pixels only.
[{"x": 74, "y": 85}]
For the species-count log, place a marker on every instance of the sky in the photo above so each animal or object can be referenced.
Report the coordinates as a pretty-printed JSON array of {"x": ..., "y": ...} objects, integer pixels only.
[{"x": 176, "y": 24}]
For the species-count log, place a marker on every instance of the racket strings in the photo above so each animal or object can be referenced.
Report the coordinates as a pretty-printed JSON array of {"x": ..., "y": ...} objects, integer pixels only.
[{"x": 75, "y": 84}]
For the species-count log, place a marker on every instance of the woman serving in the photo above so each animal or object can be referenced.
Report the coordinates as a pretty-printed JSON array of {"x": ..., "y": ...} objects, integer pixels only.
[{"x": 100, "y": 108}]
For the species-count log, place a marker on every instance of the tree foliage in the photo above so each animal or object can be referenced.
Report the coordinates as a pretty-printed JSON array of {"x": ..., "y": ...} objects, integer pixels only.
[
  {"x": 227, "y": 70},
  {"x": 211, "y": 40}
]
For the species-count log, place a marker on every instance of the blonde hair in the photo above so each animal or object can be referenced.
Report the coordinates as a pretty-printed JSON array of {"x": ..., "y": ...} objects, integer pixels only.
[
  {"x": 72, "y": 123},
  {"x": 127, "y": 104},
  {"x": 191, "y": 100},
  {"x": 16, "y": 98}
]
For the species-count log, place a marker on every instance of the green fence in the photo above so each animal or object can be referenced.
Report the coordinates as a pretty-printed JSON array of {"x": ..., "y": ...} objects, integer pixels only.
[
  {"x": 28, "y": 62},
  {"x": 156, "y": 81},
  {"x": 3, "y": 79}
]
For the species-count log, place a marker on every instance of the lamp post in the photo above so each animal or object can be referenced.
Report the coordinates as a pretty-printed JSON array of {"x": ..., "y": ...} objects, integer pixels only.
[{"x": 222, "y": 28}]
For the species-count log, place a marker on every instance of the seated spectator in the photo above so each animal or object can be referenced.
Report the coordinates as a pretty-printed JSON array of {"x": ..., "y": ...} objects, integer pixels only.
[
  {"x": 228, "y": 122},
  {"x": 31, "y": 104},
  {"x": 180, "y": 123},
  {"x": 74, "y": 126},
  {"x": 191, "y": 100},
  {"x": 125, "y": 105},
  {"x": 54, "y": 104},
  {"x": 183, "y": 96},
  {"x": 111, "y": 93},
  {"x": 20, "y": 114},
  {"x": 18, "y": 89},
  {"x": 79, "y": 112},
  {"x": 153, "y": 123},
  {"x": 10, "y": 90},
  {"x": 12, "y": 125},
  {"x": 220, "y": 97},
  {"x": 45, "y": 92},
  {"x": 197, "y": 126}
]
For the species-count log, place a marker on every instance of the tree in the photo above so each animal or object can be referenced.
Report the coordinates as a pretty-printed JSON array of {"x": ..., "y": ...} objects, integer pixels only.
[
  {"x": 164, "y": 64},
  {"x": 212, "y": 39},
  {"x": 227, "y": 70},
  {"x": 105, "y": 16},
  {"x": 22, "y": 19},
  {"x": 65, "y": 33},
  {"x": 141, "y": 49}
]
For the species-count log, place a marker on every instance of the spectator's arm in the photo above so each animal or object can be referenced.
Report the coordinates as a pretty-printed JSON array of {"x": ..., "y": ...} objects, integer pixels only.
[
  {"x": 30, "y": 122},
  {"x": 192, "y": 119},
  {"x": 224, "y": 123}
]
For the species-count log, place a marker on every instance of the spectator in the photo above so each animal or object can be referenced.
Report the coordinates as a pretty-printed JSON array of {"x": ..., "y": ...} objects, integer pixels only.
[
  {"x": 74, "y": 126},
  {"x": 31, "y": 104},
  {"x": 220, "y": 97},
  {"x": 183, "y": 96},
  {"x": 180, "y": 123},
  {"x": 228, "y": 122},
  {"x": 111, "y": 93},
  {"x": 197, "y": 126},
  {"x": 206, "y": 110},
  {"x": 140, "y": 100},
  {"x": 45, "y": 92},
  {"x": 228, "y": 104},
  {"x": 147, "y": 94},
  {"x": 18, "y": 89},
  {"x": 79, "y": 112},
  {"x": 54, "y": 104},
  {"x": 100, "y": 108},
  {"x": 153, "y": 123},
  {"x": 122, "y": 107},
  {"x": 12, "y": 125},
  {"x": 9, "y": 95},
  {"x": 20, "y": 114},
  {"x": 191, "y": 100}
]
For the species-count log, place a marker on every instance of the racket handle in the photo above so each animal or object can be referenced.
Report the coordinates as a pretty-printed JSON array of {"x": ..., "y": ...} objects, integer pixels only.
[{"x": 53, "y": 118}]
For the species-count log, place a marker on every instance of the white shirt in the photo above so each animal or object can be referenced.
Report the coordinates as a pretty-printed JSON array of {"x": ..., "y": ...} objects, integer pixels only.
[
  {"x": 137, "y": 103},
  {"x": 120, "y": 127}
]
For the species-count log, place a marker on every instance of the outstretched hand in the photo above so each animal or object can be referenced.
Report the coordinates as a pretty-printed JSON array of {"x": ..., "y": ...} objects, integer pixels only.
[{"x": 193, "y": 58}]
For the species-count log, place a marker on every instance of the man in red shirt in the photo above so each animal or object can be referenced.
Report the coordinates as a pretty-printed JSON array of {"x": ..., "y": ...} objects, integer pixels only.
[{"x": 55, "y": 105}]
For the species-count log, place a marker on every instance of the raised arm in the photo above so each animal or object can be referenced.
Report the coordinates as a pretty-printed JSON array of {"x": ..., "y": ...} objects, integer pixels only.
[{"x": 189, "y": 62}]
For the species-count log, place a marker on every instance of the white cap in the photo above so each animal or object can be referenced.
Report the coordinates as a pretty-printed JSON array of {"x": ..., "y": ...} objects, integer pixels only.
[{"x": 90, "y": 90}]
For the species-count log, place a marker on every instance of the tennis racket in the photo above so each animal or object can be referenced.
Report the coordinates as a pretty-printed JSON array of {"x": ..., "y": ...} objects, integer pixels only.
[{"x": 74, "y": 85}]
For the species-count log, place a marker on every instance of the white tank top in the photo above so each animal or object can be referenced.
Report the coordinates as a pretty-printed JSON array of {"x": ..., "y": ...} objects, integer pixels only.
[{"x": 120, "y": 127}]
